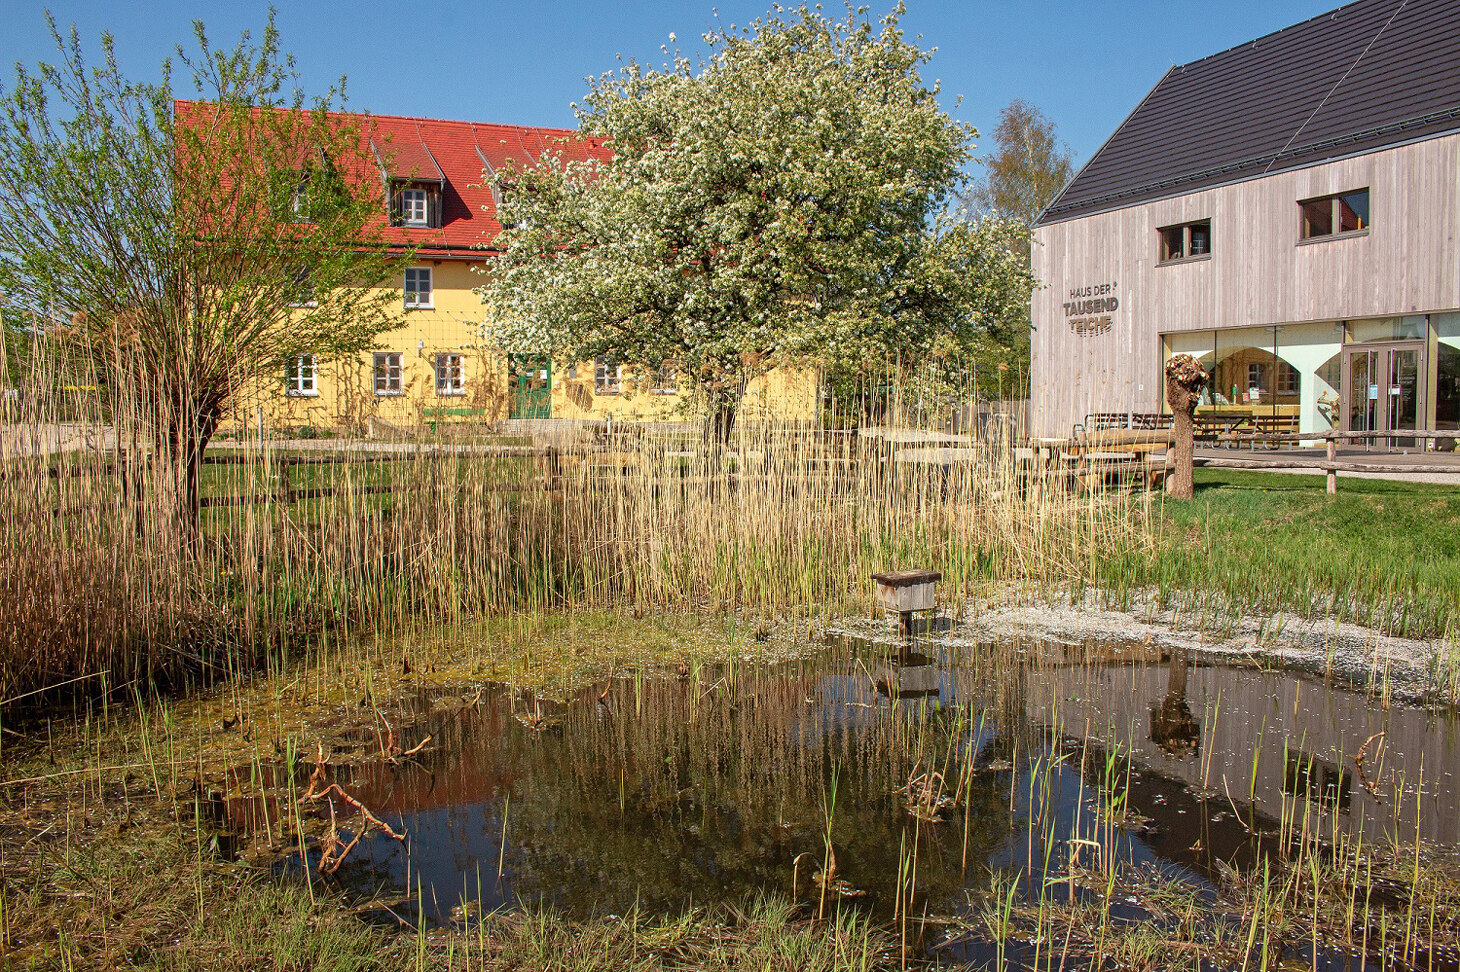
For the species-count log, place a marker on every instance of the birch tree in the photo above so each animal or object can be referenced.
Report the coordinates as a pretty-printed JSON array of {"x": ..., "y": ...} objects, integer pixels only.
[{"x": 781, "y": 200}]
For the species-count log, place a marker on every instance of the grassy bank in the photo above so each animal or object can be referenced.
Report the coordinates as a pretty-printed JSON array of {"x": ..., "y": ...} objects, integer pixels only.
[{"x": 1380, "y": 553}]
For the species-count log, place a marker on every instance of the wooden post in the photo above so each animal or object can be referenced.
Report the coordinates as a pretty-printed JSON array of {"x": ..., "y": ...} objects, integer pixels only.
[
  {"x": 284, "y": 480},
  {"x": 1332, "y": 472}
]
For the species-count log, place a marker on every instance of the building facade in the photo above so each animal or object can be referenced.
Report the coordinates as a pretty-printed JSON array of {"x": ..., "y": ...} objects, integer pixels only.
[
  {"x": 436, "y": 179},
  {"x": 1288, "y": 213}
]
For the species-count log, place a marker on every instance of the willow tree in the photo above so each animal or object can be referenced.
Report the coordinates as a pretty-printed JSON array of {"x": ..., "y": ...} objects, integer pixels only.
[
  {"x": 777, "y": 201},
  {"x": 195, "y": 247}
]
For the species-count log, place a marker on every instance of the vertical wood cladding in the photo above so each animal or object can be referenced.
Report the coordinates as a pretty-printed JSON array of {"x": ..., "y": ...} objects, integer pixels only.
[{"x": 1259, "y": 272}]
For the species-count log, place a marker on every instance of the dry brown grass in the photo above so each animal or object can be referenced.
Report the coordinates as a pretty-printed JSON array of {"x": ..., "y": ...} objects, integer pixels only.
[{"x": 101, "y": 582}]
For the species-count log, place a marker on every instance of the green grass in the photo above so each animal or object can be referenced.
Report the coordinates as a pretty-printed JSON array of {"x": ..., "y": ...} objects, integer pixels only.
[{"x": 1379, "y": 552}]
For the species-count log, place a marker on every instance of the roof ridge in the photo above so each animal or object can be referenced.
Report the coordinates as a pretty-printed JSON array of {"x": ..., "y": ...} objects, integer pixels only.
[
  {"x": 460, "y": 121},
  {"x": 421, "y": 118},
  {"x": 1255, "y": 41}
]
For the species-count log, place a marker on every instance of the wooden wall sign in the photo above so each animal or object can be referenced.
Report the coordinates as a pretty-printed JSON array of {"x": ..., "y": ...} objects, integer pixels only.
[{"x": 1090, "y": 311}]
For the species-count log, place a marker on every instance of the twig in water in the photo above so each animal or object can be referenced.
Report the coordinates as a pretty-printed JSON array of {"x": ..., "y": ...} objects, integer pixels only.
[
  {"x": 335, "y": 850},
  {"x": 1362, "y": 759}
]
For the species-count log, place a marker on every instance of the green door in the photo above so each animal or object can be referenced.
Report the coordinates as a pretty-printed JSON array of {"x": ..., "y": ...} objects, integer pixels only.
[{"x": 532, "y": 382}]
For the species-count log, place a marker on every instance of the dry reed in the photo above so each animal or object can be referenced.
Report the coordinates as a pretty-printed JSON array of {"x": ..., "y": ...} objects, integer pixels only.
[{"x": 103, "y": 579}]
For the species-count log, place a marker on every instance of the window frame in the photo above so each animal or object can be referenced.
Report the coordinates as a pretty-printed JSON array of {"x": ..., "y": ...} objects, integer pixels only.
[
  {"x": 1257, "y": 370},
  {"x": 603, "y": 383},
  {"x": 394, "y": 384},
  {"x": 405, "y": 199},
  {"x": 456, "y": 385},
  {"x": 407, "y": 290},
  {"x": 1335, "y": 220},
  {"x": 294, "y": 376},
  {"x": 1288, "y": 381},
  {"x": 305, "y": 297},
  {"x": 1163, "y": 260},
  {"x": 664, "y": 380}
]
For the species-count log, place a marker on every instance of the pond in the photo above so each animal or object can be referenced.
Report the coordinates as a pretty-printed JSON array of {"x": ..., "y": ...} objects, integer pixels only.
[{"x": 919, "y": 780}]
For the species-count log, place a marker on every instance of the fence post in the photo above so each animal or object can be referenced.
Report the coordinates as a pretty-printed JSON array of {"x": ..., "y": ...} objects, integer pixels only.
[
  {"x": 1332, "y": 473},
  {"x": 284, "y": 465}
]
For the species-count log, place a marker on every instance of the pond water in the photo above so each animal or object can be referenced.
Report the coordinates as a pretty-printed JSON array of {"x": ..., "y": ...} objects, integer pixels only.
[{"x": 900, "y": 777}]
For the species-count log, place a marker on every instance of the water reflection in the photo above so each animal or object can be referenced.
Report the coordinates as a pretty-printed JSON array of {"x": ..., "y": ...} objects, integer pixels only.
[{"x": 922, "y": 767}]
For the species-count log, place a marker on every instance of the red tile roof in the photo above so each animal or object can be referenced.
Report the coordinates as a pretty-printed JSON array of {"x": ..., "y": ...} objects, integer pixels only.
[{"x": 461, "y": 155}]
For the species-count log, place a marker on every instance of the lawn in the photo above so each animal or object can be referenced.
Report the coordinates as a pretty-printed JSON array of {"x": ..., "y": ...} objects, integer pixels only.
[{"x": 1380, "y": 552}]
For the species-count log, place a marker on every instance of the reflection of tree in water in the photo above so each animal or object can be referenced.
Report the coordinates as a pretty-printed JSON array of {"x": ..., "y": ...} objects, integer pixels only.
[
  {"x": 693, "y": 795},
  {"x": 668, "y": 793},
  {"x": 1173, "y": 728}
]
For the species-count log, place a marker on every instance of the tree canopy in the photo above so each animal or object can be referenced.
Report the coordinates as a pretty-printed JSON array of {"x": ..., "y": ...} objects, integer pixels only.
[
  {"x": 195, "y": 247},
  {"x": 783, "y": 199},
  {"x": 1027, "y": 168}
]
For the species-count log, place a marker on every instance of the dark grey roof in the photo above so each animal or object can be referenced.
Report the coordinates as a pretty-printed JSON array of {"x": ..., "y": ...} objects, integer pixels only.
[{"x": 1368, "y": 75}]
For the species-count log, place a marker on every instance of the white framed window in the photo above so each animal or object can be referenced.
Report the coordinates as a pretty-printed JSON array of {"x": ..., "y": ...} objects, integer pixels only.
[
  {"x": 302, "y": 376},
  {"x": 303, "y": 289},
  {"x": 417, "y": 287},
  {"x": 414, "y": 207},
  {"x": 665, "y": 381},
  {"x": 388, "y": 373},
  {"x": 299, "y": 203},
  {"x": 607, "y": 376},
  {"x": 448, "y": 375}
]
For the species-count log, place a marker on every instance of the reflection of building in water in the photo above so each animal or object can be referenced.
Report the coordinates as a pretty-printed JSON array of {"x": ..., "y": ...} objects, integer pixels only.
[
  {"x": 1318, "y": 780},
  {"x": 1304, "y": 738}
]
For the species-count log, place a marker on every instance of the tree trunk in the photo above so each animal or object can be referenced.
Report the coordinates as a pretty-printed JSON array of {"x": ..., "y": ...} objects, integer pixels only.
[
  {"x": 722, "y": 408},
  {"x": 1184, "y": 381},
  {"x": 182, "y": 447}
]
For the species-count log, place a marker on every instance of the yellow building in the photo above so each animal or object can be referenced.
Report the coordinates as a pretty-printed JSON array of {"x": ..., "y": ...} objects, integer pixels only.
[{"x": 434, "y": 368}]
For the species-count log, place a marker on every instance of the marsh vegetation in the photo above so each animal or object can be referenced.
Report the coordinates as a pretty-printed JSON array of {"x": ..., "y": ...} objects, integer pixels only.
[{"x": 459, "y": 703}]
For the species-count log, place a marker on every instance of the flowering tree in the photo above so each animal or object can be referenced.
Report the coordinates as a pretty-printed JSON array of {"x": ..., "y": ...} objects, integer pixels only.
[
  {"x": 780, "y": 201},
  {"x": 194, "y": 248}
]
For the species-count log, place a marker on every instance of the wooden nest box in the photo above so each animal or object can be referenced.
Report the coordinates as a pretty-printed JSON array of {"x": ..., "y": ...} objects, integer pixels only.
[{"x": 906, "y": 591}]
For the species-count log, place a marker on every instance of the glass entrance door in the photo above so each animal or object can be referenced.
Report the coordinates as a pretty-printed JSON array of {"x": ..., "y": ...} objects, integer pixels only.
[
  {"x": 1404, "y": 393},
  {"x": 1360, "y": 390},
  {"x": 1382, "y": 392}
]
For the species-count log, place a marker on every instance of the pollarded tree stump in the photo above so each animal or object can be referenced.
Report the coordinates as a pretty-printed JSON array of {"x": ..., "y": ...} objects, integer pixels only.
[{"x": 1185, "y": 379}]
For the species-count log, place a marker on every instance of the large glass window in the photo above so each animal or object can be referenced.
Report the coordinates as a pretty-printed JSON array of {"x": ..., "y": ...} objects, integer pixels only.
[
  {"x": 1447, "y": 372},
  {"x": 1409, "y": 328},
  {"x": 1269, "y": 379}
]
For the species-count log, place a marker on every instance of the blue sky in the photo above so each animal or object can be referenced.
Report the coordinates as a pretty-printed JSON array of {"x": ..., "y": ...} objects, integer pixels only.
[{"x": 1085, "y": 63}]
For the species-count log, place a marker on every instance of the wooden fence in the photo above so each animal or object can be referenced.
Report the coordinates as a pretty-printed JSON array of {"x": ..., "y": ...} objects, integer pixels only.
[{"x": 1330, "y": 463}]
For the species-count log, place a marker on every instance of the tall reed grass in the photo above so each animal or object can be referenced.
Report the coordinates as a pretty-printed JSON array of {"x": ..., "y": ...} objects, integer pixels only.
[{"x": 102, "y": 579}]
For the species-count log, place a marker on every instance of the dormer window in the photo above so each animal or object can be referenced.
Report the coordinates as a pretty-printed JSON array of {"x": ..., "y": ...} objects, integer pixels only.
[
  {"x": 413, "y": 207},
  {"x": 416, "y": 206}
]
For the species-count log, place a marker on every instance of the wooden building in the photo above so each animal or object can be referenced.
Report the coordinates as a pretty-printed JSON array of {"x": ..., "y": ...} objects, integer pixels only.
[{"x": 1287, "y": 212}]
